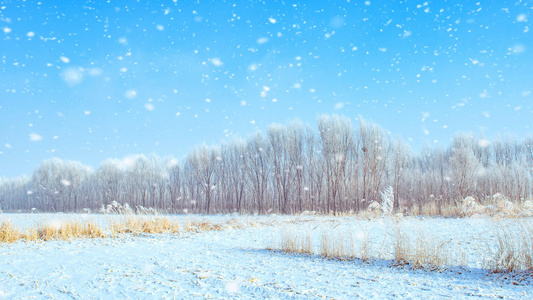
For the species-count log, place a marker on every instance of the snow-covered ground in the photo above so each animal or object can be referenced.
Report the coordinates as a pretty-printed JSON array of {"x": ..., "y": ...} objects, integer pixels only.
[{"x": 235, "y": 263}]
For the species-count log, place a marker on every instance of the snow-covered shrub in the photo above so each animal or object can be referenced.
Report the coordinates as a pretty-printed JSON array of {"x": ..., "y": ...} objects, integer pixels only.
[
  {"x": 126, "y": 209},
  {"x": 141, "y": 210},
  {"x": 506, "y": 207},
  {"x": 491, "y": 209},
  {"x": 527, "y": 209},
  {"x": 470, "y": 206},
  {"x": 499, "y": 197},
  {"x": 373, "y": 210},
  {"x": 387, "y": 200},
  {"x": 500, "y": 206},
  {"x": 374, "y": 206},
  {"x": 528, "y": 204}
]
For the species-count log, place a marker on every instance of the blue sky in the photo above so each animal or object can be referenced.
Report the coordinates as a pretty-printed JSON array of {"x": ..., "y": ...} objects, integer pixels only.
[{"x": 91, "y": 80}]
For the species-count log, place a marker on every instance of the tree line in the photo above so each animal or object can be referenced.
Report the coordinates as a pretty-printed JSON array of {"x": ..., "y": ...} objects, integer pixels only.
[{"x": 288, "y": 169}]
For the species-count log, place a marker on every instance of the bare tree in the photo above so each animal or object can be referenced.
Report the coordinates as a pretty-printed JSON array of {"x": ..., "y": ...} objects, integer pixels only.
[
  {"x": 465, "y": 167},
  {"x": 337, "y": 139},
  {"x": 258, "y": 168},
  {"x": 290, "y": 169},
  {"x": 204, "y": 162}
]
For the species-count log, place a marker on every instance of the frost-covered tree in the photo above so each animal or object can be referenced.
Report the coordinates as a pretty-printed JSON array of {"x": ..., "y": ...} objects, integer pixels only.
[
  {"x": 387, "y": 200},
  {"x": 465, "y": 169},
  {"x": 288, "y": 169}
]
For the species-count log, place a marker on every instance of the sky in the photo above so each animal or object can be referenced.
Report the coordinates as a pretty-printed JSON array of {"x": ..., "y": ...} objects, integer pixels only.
[{"x": 92, "y": 80}]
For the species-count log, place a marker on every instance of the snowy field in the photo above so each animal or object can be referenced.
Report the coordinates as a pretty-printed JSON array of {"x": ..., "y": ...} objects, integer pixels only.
[{"x": 235, "y": 263}]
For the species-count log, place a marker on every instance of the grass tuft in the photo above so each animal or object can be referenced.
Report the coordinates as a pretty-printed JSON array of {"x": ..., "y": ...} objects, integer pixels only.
[
  {"x": 514, "y": 250},
  {"x": 296, "y": 243},
  {"x": 333, "y": 244},
  {"x": 423, "y": 251},
  {"x": 8, "y": 233}
]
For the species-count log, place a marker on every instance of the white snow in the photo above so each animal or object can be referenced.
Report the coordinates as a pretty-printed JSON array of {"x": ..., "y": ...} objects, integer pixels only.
[
  {"x": 235, "y": 264},
  {"x": 521, "y": 18},
  {"x": 130, "y": 94},
  {"x": 34, "y": 137},
  {"x": 262, "y": 40},
  {"x": 216, "y": 62}
]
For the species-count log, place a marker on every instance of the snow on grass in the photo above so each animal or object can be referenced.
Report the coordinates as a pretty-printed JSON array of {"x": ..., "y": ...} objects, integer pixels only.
[
  {"x": 114, "y": 226},
  {"x": 514, "y": 250},
  {"x": 235, "y": 263}
]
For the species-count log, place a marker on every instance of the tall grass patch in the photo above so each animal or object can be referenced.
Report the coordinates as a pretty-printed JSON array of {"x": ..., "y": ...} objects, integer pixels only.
[
  {"x": 514, "y": 248},
  {"x": 331, "y": 244},
  {"x": 8, "y": 233},
  {"x": 128, "y": 224},
  {"x": 411, "y": 247},
  {"x": 420, "y": 249}
]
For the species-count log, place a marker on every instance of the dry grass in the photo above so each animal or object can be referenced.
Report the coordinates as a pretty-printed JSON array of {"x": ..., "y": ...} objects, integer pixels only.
[
  {"x": 8, "y": 234},
  {"x": 420, "y": 250},
  {"x": 336, "y": 245},
  {"x": 48, "y": 232},
  {"x": 31, "y": 234},
  {"x": 296, "y": 243},
  {"x": 200, "y": 226},
  {"x": 134, "y": 225},
  {"x": 332, "y": 245},
  {"x": 65, "y": 231},
  {"x": 417, "y": 249},
  {"x": 139, "y": 225},
  {"x": 425, "y": 251},
  {"x": 435, "y": 209},
  {"x": 514, "y": 250}
]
